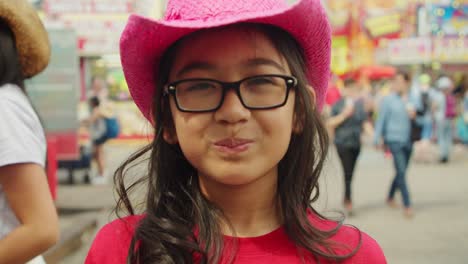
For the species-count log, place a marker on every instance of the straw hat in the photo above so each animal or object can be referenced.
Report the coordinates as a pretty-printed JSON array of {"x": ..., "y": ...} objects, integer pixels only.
[
  {"x": 31, "y": 37},
  {"x": 144, "y": 40}
]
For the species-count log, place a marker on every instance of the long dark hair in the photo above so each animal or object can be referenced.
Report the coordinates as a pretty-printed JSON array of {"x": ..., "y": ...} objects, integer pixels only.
[
  {"x": 10, "y": 66},
  {"x": 175, "y": 207}
]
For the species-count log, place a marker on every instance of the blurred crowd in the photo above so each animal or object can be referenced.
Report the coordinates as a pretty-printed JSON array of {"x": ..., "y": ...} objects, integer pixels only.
[
  {"x": 438, "y": 107},
  {"x": 400, "y": 115}
]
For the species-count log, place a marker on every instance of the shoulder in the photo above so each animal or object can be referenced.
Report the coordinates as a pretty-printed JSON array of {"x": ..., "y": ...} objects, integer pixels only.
[
  {"x": 434, "y": 94},
  {"x": 369, "y": 251},
  {"x": 112, "y": 242},
  {"x": 15, "y": 104},
  {"x": 10, "y": 93},
  {"x": 388, "y": 101},
  {"x": 22, "y": 138}
]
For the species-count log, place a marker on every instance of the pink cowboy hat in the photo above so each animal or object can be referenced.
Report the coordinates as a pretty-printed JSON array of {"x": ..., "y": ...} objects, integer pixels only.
[{"x": 145, "y": 40}]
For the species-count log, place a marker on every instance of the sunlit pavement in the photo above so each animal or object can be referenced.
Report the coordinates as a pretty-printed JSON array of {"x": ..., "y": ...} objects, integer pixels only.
[{"x": 438, "y": 232}]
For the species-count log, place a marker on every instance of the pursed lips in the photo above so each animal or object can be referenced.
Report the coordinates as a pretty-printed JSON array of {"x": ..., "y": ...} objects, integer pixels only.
[
  {"x": 232, "y": 142},
  {"x": 233, "y": 145}
]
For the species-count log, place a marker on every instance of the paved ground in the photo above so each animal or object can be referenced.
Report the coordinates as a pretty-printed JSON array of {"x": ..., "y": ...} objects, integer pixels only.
[{"x": 437, "y": 234}]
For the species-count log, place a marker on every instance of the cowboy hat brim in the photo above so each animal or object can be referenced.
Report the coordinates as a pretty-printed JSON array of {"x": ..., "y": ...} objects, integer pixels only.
[
  {"x": 145, "y": 40},
  {"x": 31, "y": 37}
]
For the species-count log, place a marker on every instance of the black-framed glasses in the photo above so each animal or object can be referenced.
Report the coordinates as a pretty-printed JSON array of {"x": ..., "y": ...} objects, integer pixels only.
[{"x": 258, "y": 92}]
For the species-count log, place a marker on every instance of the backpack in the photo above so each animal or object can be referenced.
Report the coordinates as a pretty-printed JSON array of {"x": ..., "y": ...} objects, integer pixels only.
[
  {"x": 450, "y": 106},
  {"x": 425, "y": 101},
  {"x": 112, "y": 127}
]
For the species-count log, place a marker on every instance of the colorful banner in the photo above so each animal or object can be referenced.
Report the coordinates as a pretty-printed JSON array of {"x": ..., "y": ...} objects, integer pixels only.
[
  {"x": 340, "y": 16},
  {"x": 98, "y": 23},
  {"x": 97, "y": 34},
  {"x": 365, "y": 23},
  {"x": 59, "y": 7},
  {"x": 385, "y": 25},
  {"x": 383, "y": 18},
  {"x": 450, "y": 50},
  {"x": 449, "y": 20},
  {"x": 409, "y": 51}
]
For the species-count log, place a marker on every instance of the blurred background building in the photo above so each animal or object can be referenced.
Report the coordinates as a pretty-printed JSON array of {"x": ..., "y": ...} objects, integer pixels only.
[
  {"x": 416, "y": 35},
  {"x": 84, "y": 36}
]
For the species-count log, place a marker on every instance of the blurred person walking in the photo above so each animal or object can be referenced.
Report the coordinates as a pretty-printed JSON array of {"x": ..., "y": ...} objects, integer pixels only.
[
  {"x": 421, "y": 94},
  {"x": 28, "y": 218},
  {"x": 333, "y": 94},
  {"x": 393, "y": 126},
  {"x": 462, "y": 122},
  {"x": 462, "y": 87},
  {"x": 99, "y": 89},
  {"x": 347, "y": 118},
  {"x": 444, "y": 107},
  {"x": 103, "y": 125}
]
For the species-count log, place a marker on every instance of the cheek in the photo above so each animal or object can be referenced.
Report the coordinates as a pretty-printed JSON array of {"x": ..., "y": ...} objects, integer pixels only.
[
  {"x": 278, "y": 125},
  {"x": 189, "y": 128}
]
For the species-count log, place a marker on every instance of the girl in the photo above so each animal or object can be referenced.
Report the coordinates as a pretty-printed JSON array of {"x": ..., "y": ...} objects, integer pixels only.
[
  {"x": 28, "y": 219},
  {"x": 233, "y": 89}
]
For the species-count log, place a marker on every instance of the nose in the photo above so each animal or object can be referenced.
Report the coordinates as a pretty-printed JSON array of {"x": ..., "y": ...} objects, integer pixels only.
[{"x": 232, "y": 110}]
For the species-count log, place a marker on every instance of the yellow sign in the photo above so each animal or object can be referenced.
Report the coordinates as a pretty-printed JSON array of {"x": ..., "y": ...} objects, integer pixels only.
[
  {"x": 340, "y": 59},
  {"x": 383, "y": 25}
]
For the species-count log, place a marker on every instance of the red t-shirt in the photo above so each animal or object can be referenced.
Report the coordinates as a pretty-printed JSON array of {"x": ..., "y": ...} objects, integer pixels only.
[{"x": 112, "y": 243}]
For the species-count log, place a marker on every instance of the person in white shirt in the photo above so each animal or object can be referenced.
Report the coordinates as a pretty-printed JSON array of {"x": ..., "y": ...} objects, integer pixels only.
[{"x": 28, "y": 217}]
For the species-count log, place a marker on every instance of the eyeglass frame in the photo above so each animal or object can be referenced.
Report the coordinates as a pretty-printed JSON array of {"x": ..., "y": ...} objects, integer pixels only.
[{"x": 290, "y": 81}]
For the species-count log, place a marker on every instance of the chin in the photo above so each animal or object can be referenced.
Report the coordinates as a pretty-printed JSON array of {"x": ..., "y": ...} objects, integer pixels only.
[
  {"x": 237, "y": 175},
  {"x": 234, "y": 179}
]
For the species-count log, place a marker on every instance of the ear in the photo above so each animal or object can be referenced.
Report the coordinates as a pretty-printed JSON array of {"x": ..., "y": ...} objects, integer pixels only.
[
  {"x": 170, "y": 135},
  {"x": 298, "y": 122}
]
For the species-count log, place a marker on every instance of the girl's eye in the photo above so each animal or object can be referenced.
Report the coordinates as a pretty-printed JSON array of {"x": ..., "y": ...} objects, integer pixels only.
[
  {"x": 196, "y": 86},
  {"x": 261, "y": 81},
  {"x": 263, "y": 85}
]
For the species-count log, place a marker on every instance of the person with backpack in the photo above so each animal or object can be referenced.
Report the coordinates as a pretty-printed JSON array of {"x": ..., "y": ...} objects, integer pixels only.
[
  {"x": 422, "y": 125},
  {"x": 463, "y": 120},
  {"x": 445, "y": 111},
  {"x": 103, "y": 126}
]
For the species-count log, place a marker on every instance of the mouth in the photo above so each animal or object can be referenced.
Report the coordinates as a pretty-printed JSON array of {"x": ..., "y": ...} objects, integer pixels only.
[{"x": 233, "y": 145}]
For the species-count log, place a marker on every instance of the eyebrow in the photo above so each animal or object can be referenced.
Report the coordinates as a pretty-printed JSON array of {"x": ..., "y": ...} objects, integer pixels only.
[
  {"x": 202, "y": 65},
  {"x": 265, "y": 62},
  {"x": 195, "y": 65}
]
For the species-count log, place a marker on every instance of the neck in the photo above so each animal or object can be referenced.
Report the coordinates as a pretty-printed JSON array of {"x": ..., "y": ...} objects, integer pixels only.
[{"x": 251, "y": 209}]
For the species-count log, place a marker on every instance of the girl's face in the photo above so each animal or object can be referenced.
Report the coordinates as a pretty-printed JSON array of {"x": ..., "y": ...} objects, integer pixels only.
[{"x": 232, "y": 145}]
